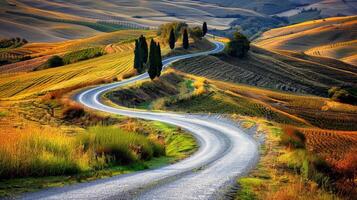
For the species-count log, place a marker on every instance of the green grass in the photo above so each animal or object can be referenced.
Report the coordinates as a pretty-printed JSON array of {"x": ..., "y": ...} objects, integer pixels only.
[
  {"x": 178, "y": 144},
  {"x": 189, "y": 85},
  {"x": 245, "y": 188},
  {"x": 3, "y": 114}
]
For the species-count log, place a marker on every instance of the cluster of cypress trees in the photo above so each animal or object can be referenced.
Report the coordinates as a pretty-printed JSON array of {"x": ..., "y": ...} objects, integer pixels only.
[
  {"x": 148, "y": 60},
  {"x": 141, "y": 54},
  {"x": 185, "y": 39},
  {"x": 152, "y": 60}
]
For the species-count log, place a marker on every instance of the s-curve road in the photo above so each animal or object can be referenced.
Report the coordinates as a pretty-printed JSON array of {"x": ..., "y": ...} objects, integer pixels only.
[{"x": 225, "y": 153}]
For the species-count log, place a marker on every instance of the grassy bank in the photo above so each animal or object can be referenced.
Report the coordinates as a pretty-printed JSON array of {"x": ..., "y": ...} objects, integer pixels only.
[{"x": 292, "y": 165}]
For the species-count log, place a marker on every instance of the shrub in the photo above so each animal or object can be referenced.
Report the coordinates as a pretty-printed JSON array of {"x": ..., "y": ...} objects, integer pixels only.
[
  {"x": 165, "y": 29},
  {"x": 342, "y": 95},
  {"x": 196, "y": 33},
  {"x": 293, "y": 138},
  {"x": 238, "y": 46},
  {"x": 119, "y": 146},
  {"x": 73, "y": 111},
  {"x": 55, "y": 61}
]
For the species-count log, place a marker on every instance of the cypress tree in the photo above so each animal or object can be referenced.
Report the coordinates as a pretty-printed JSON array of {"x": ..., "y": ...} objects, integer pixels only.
[
  {"x": 152, "y": 60},
  {"x": 144, "y": 48},
  {"x": 172, "y": 39},
  {"x": 138, "y": 63},
  {"x": 185, "y": 42},
  {"x": 158, "y": 60},
  {"x": 204, "y": 28}
]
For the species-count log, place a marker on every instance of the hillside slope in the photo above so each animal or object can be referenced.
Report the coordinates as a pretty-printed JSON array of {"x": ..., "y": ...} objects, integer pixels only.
[
  {"x": 331, "y": 37},
  {"x": 292, "y": 72}
]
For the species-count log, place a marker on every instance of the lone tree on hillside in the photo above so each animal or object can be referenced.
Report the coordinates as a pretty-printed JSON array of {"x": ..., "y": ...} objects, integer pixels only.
[
  {"x": 185, "y": 42},
  {"x": 238, "y": 46},
  {"x": 155, "y": 60},
  {"x": 172, "y": 39},
  {"x": 204, "y": 29}
]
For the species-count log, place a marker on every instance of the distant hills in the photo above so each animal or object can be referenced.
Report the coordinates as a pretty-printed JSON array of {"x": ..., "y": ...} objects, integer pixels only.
[
  {"x": 292, "y": 7},
  {"x": 47, "y": 20}
]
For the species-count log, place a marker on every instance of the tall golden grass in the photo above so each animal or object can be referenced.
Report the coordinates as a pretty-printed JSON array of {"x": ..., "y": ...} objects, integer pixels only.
[{"x": 45, "y": 152}]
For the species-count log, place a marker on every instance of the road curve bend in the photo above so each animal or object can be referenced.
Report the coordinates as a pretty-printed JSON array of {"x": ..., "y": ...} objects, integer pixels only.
[{"x": 225, "y": 153}]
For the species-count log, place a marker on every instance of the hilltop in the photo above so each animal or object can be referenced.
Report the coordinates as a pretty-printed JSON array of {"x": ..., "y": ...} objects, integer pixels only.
[{"x": 332, "y": 37}]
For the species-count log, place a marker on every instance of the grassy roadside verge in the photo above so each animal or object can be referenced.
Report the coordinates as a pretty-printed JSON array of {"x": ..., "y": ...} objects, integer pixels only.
[
  {"x": 177, "y": 145},
  {"x": 277, "y": 175}
]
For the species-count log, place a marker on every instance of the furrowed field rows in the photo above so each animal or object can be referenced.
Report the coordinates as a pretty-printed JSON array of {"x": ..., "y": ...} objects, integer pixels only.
[
  {"x": 331, "y": 144},
  {"x": 105, "y": 67}
]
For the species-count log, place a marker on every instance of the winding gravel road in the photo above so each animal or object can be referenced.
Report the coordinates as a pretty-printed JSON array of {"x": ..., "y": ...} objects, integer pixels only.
[{"x": 225, "y": 153}]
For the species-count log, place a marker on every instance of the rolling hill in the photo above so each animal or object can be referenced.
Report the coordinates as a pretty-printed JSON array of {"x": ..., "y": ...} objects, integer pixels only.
[
  {"x": 331, "y": 37},
  {"x": 294, "y": 72}
]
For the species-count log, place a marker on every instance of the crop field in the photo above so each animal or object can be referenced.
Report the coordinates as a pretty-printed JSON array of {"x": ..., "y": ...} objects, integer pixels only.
[
  {"x": 40, "y": 49},
  {"x": 18, "y": 84},
  {"x": 27, "y": 84},
  {"x": 40, "y": 52},
  {"x": 332, "y": 145},
  {"x": 346, "y": 51},
  {"x": 314, "y": 111}
]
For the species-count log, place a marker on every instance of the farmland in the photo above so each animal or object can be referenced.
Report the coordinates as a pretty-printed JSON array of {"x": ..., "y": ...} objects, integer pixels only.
[
  {"x": 283, "y": 71},
  {"x": 115, "y": 64}
]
